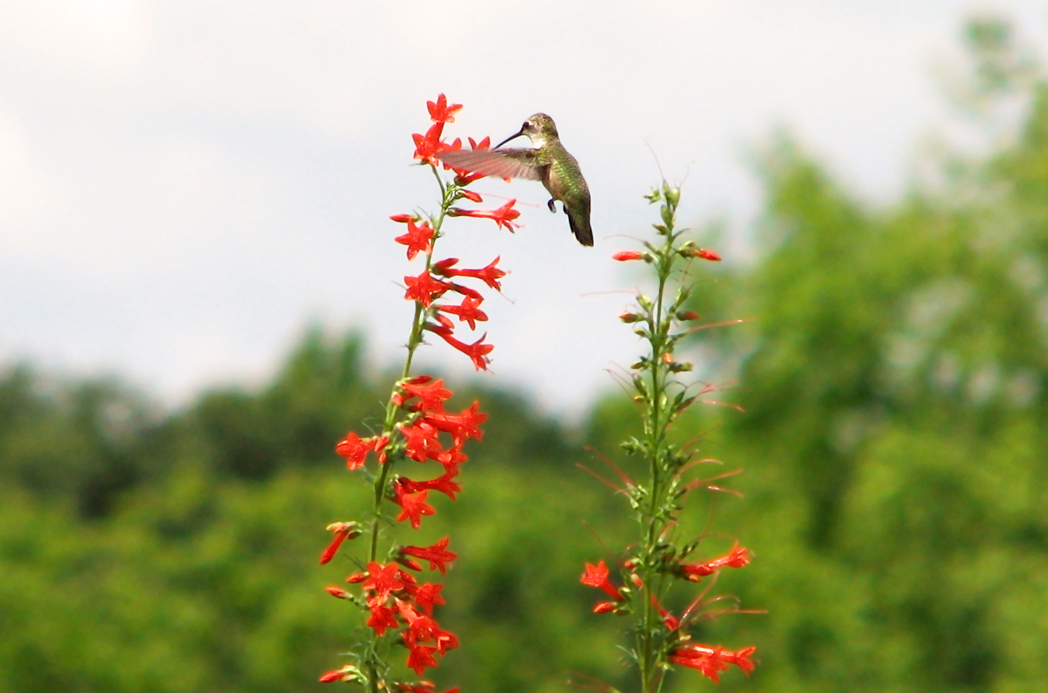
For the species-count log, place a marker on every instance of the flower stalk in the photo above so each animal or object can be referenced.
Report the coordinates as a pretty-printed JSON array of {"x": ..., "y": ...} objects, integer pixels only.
[
  {"x": 660, "y": 558},
  {"x": 397, "y": 607}
]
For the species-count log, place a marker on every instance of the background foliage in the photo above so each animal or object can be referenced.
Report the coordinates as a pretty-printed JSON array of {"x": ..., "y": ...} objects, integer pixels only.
[{"x": 894, "y": 446}]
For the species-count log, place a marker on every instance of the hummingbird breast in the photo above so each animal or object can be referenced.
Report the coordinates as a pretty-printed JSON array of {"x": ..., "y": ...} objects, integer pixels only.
[{"x": 563, "y": 179}]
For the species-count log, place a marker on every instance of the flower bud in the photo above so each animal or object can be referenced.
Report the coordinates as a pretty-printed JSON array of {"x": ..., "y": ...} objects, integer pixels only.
[
  {"x": 667, "y": 215},
  {"x": 672, "y": 195},
  {"x": 627, "y": 255}
]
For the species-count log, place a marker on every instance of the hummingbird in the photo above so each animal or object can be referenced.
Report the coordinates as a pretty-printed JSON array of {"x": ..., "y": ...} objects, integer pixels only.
[{"x": 548, "y": 162}]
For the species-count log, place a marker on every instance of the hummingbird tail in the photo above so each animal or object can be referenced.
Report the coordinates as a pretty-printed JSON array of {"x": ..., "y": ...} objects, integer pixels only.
[{"x": 581, "y": 228}]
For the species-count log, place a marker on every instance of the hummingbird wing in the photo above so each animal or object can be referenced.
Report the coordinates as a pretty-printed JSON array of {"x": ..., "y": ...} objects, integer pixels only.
[{"x": 503, "y": 163}]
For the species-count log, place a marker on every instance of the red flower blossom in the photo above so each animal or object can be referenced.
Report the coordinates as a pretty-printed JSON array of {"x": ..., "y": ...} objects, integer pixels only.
[
  {"x": 463, "y": 425},
  {"x": 626, "y": 255},
  {"x": 355, "y": 449},
  {"x": 477, "y": 352},
  {"x": 597, "y": 576},
  {"x": 342, "y": 531},
  {"x": 736, "y": 558},
  {"x": 382, "y": 618},
  {"x": 441, "y": 112},
  {"x": 444, "y": 484},
  {"x": 712, "y": 660},
  {"x": 437, "y": 555},
  {"x": 382, "y": 580},
  {"x": 417, "y": 239},
  {"x": 452, "y": 458},
  {"x": 490, "y": 275},
  {"x": 424, "y": 288},
  {"x": 421, "y": 441},
  {"x": 468, "y": 312},
  {"x": 704, "y": 254},
  {"x": 431, "y": 394},
  {"x": 429, "y": 145},
  {"x": 503, "y": 216},
  {"x": 413, "y": 506},
  {"x": 421, "y": 657},
  {"x": 428, "y": 595}
]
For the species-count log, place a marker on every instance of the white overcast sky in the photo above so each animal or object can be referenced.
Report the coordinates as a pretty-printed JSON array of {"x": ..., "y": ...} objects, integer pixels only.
[{"x": 185, "y": 185}]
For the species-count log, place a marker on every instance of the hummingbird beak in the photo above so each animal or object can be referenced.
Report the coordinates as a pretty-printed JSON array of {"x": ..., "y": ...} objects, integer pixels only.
[{"x": 511, "y": 137}]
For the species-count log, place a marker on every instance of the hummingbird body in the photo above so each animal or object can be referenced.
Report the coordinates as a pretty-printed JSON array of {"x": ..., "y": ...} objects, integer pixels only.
[{"x": 548, "y": 162}]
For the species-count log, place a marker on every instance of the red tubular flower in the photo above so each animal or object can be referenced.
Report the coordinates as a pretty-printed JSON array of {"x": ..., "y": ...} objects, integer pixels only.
[
  {"x": 429, "y": 145},
  {"x": 468, "y": 312},
  {"x": 490, "y": 275},
  {"x": 627, "y": 255},
  {"x": 712, "y": 660},
  {"x": 597, "y": 576},
  {"x": 428, "y": 595},
  {"x": 736, "y": 558},
  {"x": 424, "y": 288},
  {"x": 477, "y": 352},
  {"x": 342, "y": 531},
  {"x": 417, "y": 239},
  {"x": 337, "y": 592},
  {"x": 705, "y": 254},
  {"x": 452, "y": 458},
  {"x": 437, "y": 555},
  {"x": 444, "y": 484},
  {"x": 355, "y": 449},
  {"x": 346, "y": 673},
  {"x": 503, "y": 216},
  {"x": 441, "y": 112},
  {"x": 382, "y": 580},
  {"x": 413, "y": 506},
  {"x": 421, "y": 441},
  {"x": 382, "y": 618},
  {"x": 431, "y": 394},
  {"x": 420, "y": 657},
  {"x": 671, "y": 621},
  {"x": 464, "y": 425}
]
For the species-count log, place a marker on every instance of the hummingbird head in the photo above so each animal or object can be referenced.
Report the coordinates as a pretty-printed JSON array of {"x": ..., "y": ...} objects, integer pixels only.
[{"x": 539, "y": 128}]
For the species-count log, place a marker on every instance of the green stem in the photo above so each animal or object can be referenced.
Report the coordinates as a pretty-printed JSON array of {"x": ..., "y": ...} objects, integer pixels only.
[{"x": 647, "y": 657}]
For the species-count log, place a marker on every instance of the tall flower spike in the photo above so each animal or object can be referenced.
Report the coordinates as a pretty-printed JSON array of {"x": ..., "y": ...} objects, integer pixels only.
[
  {"x": 653, "y": 561},
  {"x": 416, "y": 427}
]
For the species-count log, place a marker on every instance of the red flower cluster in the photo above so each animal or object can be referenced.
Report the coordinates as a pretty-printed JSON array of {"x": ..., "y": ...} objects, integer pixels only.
[
  {"x": 430, "y": 144},
  {"x": 417, "y": 428},
  {"x": 425, "y": 289},
  {"x": 395, "y": 599},
  {"x": 708, "y": 660},
  {"x": 713, "y": 660}
]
